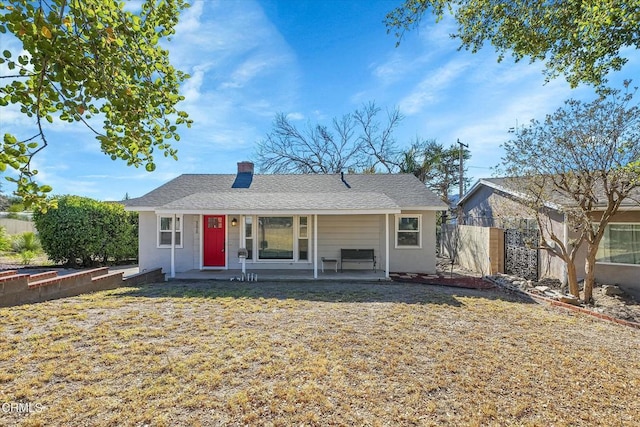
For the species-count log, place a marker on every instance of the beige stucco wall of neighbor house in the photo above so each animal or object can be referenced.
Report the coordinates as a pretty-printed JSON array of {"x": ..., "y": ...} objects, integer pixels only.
[
  {"x": 552, "y": 266},
  {"x": 626, "y": 276}
]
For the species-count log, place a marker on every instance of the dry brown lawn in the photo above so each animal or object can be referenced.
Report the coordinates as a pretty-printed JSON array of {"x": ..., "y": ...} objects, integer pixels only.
[{"x": 201, "y": 353}]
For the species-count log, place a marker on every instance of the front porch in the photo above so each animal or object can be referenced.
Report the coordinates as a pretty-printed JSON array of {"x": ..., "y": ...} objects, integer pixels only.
[{"x": 282, "y": 275}]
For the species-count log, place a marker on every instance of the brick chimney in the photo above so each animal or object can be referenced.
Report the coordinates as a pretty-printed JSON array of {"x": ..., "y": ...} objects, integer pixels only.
[
  {"x": 244, "y": 176},
  {"x": 245, "y": 167}
]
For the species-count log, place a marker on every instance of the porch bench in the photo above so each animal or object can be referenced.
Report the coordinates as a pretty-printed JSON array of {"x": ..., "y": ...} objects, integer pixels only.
[{"x": 357, "y": 256}]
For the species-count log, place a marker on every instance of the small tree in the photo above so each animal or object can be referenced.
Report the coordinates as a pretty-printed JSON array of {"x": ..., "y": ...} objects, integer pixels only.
[
  {"x": 82, "y": 231},
  {"x": 434, "y": 165},
  {"x": 583, "y": 162}
]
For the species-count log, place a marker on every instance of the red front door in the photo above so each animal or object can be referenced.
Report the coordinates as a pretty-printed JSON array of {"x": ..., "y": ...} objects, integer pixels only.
[{"x": 213, "y": 241}]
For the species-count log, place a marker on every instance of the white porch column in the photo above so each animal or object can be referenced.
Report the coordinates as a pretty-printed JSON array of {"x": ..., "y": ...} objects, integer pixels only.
[
  {"x": 386, "y": 248},
  {"x": 315, "y": 246},
  {"x": 173, "y": 246}
]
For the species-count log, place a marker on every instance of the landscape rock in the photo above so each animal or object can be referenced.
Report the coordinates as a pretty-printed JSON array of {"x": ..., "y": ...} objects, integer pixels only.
[
  {"x": 609, "y": 299},
  {"x": 569, "y": 299},
  {"x": 612, "y": 290}
]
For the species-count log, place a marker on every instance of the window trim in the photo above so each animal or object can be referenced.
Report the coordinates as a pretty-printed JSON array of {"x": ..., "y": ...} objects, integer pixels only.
[
  {"x": 299, "y": 237},
  {"x": 244, "y": 237},
  {"x": 296, "y": 239},
  {"x": 616, "y": 263},
  {"x": 397, "y": 219},
  {"x": 179, "y": 217}
]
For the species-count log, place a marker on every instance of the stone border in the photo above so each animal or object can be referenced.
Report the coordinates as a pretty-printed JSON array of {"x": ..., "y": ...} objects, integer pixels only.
[{"x": 556, "y": 303}]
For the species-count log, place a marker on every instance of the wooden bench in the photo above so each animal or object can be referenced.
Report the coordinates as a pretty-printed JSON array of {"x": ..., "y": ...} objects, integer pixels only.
[{"x": 357, "y": 256}]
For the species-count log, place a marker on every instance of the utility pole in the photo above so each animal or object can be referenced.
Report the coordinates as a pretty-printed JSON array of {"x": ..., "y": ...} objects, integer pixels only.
[{"x": 461, "y": 170}]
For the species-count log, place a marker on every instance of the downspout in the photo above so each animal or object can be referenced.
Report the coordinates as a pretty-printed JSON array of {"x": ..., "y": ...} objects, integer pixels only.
[
  {"x": 315, "y": 246},
  {"x": 386, "y": 246},
  {"x": 173, "y": 247}
]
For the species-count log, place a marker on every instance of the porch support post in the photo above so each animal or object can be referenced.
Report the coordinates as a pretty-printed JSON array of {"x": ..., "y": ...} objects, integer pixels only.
[
  {"x": 173, "y": 247},
  {"x": 315, "y": 246},
  {"x": 386, "y": 246}
]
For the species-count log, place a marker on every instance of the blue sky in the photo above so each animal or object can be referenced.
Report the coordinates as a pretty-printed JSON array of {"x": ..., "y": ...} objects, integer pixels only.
[{"x": 313, "y": 60}]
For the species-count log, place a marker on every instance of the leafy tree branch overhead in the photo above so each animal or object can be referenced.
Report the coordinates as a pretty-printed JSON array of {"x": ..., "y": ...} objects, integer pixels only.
[
  {"x": 582, "y": 40},
  {"x": 85, "y": 61}
]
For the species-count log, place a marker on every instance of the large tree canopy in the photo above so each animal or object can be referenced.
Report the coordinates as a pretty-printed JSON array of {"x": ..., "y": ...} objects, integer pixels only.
[
  {"x": 583, "y": 160},
  {"x": 83, "y": 60},
  {"x": 577, "y": 38}
]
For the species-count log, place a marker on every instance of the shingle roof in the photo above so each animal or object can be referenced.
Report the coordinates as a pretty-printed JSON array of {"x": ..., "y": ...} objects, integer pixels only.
[
  {"x": 305, "y": 192},
  {"x": 509, "y": 185}
]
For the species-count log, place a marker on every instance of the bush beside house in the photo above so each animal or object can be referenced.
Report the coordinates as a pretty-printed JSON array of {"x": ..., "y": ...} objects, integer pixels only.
[{"x": 86, "y": 232}]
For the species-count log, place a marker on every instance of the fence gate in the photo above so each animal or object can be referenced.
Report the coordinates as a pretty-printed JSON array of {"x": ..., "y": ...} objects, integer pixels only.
[{"x": 520, "y": 253}]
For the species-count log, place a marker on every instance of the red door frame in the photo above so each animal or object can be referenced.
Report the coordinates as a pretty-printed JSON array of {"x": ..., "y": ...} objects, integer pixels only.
[{"x": 214, "y": 239}]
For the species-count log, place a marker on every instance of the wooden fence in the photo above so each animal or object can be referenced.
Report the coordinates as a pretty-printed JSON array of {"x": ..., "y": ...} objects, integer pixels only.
[{"x": 479, "y": 249}]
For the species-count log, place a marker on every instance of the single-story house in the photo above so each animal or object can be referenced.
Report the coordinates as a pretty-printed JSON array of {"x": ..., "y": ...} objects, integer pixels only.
[
  {"x": 494, "y": 202},
  {"x": 219, "y": 221}
]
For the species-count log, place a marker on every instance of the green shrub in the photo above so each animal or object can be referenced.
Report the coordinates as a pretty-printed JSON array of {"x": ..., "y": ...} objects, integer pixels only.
[
  {"x": 83, "y": 231},
  {"x": 5, "y": 240},
  {"x": 27, "y": 257},
  {"x": 27, "y": 241}
]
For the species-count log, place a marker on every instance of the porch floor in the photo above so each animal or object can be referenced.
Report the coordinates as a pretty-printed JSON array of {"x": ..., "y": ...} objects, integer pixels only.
[{"x": 282, "y": 275}]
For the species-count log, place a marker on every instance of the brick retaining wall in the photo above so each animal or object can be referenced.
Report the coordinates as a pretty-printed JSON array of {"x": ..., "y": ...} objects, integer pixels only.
[{"x": 16, "y": 289}]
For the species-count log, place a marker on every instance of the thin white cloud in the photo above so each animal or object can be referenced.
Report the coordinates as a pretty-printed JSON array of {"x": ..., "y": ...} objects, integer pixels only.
[{"x": 429, "y": 90}]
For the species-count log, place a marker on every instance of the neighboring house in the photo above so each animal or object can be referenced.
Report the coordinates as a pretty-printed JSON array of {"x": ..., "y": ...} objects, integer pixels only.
[
  {"x": 492, "y": 202},
  {"x": 199, "y": 222}
]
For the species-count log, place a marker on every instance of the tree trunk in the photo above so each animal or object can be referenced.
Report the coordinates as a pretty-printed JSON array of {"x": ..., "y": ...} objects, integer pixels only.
[
  {"x": 589, "y": 268},
  {"x": 572, "y": 279}
]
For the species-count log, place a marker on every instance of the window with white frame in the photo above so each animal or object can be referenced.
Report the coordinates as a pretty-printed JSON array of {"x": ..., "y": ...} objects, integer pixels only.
[
  {"x": 408, "y": 231},
  {"x": 277, "y": 238},
  {"x": 303, "y": 238},
  {"x": 620, "y": 244},
  {"x": 166, "y": 227},
  {"x": 248, "y": 236}
]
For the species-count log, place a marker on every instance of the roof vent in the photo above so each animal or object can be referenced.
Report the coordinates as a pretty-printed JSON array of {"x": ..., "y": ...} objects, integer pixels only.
[
  {"x": 343, "y": 180},
  {"x": 244, "y": 177}
]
